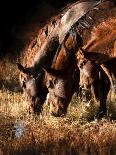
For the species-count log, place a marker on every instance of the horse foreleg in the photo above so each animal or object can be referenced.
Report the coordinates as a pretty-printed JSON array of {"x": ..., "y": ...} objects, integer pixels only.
[
  {"x": 111, "y": 77},
  {"x": 101, "y": 88}
]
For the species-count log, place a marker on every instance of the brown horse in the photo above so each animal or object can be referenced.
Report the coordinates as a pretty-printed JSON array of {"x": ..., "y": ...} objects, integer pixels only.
[
  {"x": 107, "y": 67},
  {"x": 97, "y": 30},
  {"x": 62, "y": 79},
  {"x": 32, "y": 75},
  {"x": 93, "y": 79}
]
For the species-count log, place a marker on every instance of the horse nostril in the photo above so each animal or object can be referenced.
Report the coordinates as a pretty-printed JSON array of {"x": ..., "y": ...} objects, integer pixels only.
[
  {"x": 61, "y": 113},
  {"x": 54, "y": 114},
  {"x": 33, "y": 99},
  {"x": 88, "y": 87}
]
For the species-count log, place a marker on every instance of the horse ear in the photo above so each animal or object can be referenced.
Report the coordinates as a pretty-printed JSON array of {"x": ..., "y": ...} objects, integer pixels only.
[
  {"x": 80, "y": 54},
  {"x": 52, "y": 71},
  {"x": 20, "y": 67}
]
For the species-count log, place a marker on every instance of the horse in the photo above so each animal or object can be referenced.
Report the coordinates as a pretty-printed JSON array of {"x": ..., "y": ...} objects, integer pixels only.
[
  {"x": 107, "y": 67},
  {"x": 32, "y": 75},
  {"x": 62, "y": 79},
  {"x": 90, "y": 71},
  {"x": 94, "y": 79},
  {"x": 97, "y": 32}
]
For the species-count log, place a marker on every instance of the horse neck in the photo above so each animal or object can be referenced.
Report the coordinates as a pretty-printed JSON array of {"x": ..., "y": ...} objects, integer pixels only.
[
  {"x": 46, "y": 54},
  {"x": 100, "y": 32},
  {"x": 65, "y": 61},
  {"x": 67, "y": 21}
]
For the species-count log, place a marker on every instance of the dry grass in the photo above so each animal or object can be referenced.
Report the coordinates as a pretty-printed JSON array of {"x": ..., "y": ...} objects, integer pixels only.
[{"x": 22, "y": 133}]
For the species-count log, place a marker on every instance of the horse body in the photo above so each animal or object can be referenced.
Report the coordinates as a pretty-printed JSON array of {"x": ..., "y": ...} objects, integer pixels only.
[
  {"x": 93, "y": 76},
  {"x": 99, "y": 46},
  {"x": 32, "y": 71},
  {"x": 99, "y": 38},
  {"x": 58, "y": 34}
]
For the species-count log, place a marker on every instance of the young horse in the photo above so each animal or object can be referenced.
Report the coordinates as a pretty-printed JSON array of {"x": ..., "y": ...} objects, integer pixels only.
[
  {"x": 32, "y": 75},
  {"x": 98, "y": 36},
  {"x": 94, "y": 80}
]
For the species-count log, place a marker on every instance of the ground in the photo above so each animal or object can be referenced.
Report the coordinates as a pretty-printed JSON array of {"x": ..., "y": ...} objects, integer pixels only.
[
  {"x": 76, "y": 133},
  {"x": 22, "y": 133}
]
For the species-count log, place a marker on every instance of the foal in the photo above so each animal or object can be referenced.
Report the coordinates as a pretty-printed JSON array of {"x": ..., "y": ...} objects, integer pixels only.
[{"x": 92, "y": 77}]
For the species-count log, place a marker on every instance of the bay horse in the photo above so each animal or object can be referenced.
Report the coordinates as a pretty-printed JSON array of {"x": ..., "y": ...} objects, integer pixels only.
[
  {"x": 62, "y": 80},
  {"x": 90, "y": 72},
  {"x": 98, "y": 34},
  {"x": 32, "y": 75}
]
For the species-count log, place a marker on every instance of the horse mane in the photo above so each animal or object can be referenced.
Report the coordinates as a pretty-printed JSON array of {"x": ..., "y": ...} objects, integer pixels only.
[
  {"x": 33, "y": 55},
  {"x": 63, "y": 10},
  {"x": 99, "y": 30}
]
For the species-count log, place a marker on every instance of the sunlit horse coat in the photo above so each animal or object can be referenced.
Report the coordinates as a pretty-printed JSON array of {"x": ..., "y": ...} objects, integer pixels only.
[
  {"x": 93, "y": 76},
  {"x": 98, "y": 34},
  {"x": 32, "y": 75}
]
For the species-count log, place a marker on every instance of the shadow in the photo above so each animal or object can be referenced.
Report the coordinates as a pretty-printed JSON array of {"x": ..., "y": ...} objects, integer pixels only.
[{"x": 10, "y": 85}]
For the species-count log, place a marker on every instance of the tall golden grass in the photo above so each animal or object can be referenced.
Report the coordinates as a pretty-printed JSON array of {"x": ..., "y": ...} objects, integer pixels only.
[{"x": 75, "y": 134}]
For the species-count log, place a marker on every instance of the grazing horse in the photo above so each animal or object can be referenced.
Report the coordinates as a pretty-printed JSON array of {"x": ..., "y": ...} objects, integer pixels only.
[
  {"x": 97, "y": 31},
  {"x": 93, "y": 80},
  {"x": 93, "y": 75},
  {"x": 107, "y": 66},
  {"x": 32, "y": 75},
  {"x": 62, "y": 79}
]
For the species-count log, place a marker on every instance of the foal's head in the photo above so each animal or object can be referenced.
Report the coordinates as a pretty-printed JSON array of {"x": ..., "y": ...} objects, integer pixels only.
[{"x": 89, "y": 71}]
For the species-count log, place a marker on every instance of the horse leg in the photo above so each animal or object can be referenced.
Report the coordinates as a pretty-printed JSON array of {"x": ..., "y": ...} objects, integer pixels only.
[
  {"x": 101, "y": 87},
  {"x": 111, "y": 77}
]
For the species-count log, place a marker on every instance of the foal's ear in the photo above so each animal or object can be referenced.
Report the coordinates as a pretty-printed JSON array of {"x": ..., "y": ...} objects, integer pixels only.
[
  {"x": 20, "y": 67},
  {"x": 27, "y": 71},
  {"x": 80, "y": 54},
  {"x": 52, "y": 71},
  {"x": 82, "y": 51}
]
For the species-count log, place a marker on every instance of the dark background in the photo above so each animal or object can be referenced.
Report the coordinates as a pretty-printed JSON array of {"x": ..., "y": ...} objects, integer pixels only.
[
  {"x": 20, "y": 22},
  {"x": 14, "y": 12}
]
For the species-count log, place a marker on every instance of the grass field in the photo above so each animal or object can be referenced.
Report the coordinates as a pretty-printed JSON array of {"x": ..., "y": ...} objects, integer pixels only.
[
  {"x": 75, "y": 134},
  {"x": 22, "y": 133}
]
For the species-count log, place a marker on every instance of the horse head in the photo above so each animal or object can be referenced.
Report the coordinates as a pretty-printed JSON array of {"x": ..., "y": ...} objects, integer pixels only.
[
  {"x": 89, "y": 71},
  {"x": 61, "y": 88},
  {"x": 33, "y": 87}
]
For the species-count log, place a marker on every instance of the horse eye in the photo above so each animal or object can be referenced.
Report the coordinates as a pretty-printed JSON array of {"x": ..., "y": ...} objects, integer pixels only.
[
  {"x": 24, "y": 80},
  {"x": 39, "y": 76},
  {"x": 23, "y": 85},
  {"x": 50, "y": 84},
  {"x": 84, "y": 62},
  {"x": 80, "y": 65},
  {"x": 55, "y": 81}
]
